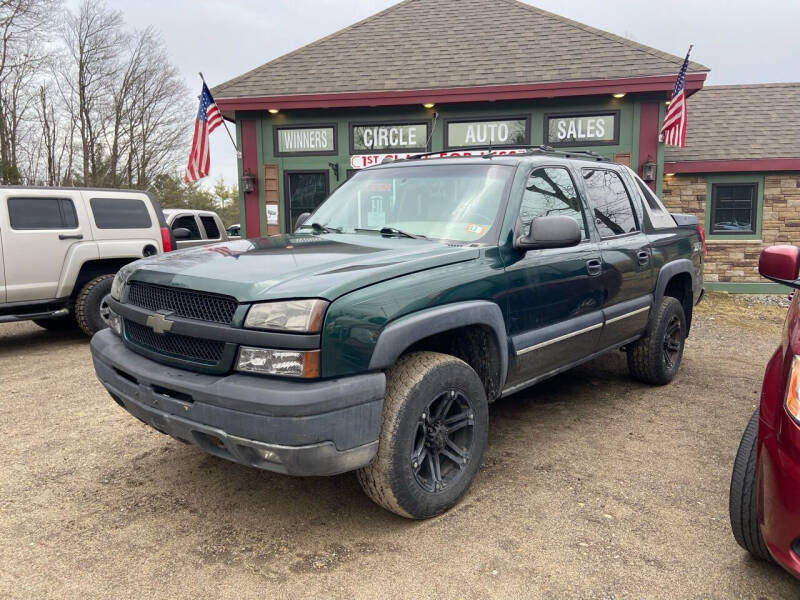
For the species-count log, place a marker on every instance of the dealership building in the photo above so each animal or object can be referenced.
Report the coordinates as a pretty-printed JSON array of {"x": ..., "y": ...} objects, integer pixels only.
[{"x": 445, "y": 75}]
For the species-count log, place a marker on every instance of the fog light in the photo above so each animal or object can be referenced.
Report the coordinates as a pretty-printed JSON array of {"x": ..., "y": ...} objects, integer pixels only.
[
  {"x": 114, "y": 322},
  {"x": 267, "y": 455},
  {"x": 291, "y": 363}
]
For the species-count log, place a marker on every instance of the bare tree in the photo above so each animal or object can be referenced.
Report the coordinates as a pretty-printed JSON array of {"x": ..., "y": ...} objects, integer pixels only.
[
  {"x": 95, "y": 42},
  {"x": 24, "y": 25},
  {"x": 101, "y": 106}
]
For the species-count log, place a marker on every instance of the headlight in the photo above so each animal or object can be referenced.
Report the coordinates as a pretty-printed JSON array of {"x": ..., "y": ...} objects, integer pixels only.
[
  {"x": 291, "y": 363},
  {"x": 116, "y": 287},
  {"x": 302, "y": 316}
]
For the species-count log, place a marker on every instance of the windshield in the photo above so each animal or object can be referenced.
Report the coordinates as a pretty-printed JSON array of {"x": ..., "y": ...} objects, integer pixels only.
[{"x": 447, "y": 202}]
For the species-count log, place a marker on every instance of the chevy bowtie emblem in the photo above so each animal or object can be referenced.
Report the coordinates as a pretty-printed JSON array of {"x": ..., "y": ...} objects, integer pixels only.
[{"x": 159, "y": 322}]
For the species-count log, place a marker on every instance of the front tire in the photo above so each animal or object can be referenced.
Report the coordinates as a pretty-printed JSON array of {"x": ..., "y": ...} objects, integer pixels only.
[
  {"x": 434, "y": 431},
  {"x": 90, "y": 307},
  {"x": 742, "y": 498},
  {"x": 655, "y": 358}
]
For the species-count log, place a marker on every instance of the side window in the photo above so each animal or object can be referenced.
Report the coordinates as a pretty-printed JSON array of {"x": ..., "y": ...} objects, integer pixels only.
[
  {"x": 188, "y": 222},
  {"x": 733, "y": 207},
  {"x": 609, "y": 202},
  {"x": 120, "y": 213},
  {"x": 42, "y": 213},
  {"x": 210, "y": 225},
  {"x": 550, "y": 191}
]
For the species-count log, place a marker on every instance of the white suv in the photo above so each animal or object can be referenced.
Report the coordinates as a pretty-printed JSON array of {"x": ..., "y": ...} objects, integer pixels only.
[{"x": 60, "y": 249}]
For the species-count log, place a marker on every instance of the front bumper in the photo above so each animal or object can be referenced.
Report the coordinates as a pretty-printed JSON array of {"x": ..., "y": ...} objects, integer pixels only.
[{"x": 292, "y": 427}]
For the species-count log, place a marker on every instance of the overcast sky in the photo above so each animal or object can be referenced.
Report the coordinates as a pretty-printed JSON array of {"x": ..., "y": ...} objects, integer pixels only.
[{"x": 742, "y": 42}]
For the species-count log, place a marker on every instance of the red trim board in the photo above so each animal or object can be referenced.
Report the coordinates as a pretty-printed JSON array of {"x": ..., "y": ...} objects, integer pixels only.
[
  {"x": 726, "y": 166},
  {"x": 659, "y": 83}
]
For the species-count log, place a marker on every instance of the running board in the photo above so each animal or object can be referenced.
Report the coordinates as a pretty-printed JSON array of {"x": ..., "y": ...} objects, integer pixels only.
[{"x": 50, "y": 314}]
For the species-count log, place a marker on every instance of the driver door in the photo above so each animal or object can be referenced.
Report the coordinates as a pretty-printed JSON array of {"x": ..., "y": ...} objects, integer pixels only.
[{"x": 556, "y": 294}]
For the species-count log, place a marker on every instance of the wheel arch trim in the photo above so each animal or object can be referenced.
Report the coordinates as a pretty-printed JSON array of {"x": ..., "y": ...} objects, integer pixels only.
[{"x": 400, "y": 334}]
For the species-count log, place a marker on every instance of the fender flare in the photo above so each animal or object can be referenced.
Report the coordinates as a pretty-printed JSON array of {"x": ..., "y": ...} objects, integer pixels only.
[
  {"x": 405, "y": 331},
  {"x": 681, "y": 265},
  {"x": 667, "y": 272}
]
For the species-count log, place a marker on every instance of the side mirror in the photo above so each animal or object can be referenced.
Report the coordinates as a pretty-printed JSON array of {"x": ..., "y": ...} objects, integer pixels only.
[
  {"x": 301, "y": 219},
  {"x": 781, "y": 264},
  {"x": 549, "y": 232},
  {"x": 181, "y": 233}
]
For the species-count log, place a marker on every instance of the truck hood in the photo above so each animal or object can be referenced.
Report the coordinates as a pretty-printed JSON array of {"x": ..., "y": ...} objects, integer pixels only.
[{"x": 295, "y": 266}]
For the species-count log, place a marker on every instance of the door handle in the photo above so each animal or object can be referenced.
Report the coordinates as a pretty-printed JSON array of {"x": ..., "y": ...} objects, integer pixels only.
[
  {"x": 643, "y": 257},
  {"x": 68, "y": 236},
  {"x": 594, "y": 267}
]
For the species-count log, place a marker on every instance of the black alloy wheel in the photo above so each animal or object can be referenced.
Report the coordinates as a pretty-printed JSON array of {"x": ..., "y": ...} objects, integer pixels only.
[
  {"x": 673, "y": 339},
  {"x": 443, "y": 441}
]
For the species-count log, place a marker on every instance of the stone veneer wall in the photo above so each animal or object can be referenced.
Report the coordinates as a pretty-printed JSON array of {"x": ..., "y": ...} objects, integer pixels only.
[{"x": 736, "y": 261}]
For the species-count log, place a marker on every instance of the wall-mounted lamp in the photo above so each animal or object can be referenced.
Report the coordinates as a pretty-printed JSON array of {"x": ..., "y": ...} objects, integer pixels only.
[
  {"x": 335, "y": 168},
  {"x": 248, "y": 182},
  {"x": 649, "y": 170},
  {"x": 619, "y": 95},
  {"x": 273, "y": 111}
]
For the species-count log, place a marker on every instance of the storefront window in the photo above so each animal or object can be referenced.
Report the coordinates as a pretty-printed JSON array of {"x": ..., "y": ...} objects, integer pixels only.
[
  {"x": 508, "y": 132},
  {"x": 582, "y": 129},
  {"x": 733, "y": 207},
  {"x": 389, "y": 137},
  {"x": 299, "y": 141}
]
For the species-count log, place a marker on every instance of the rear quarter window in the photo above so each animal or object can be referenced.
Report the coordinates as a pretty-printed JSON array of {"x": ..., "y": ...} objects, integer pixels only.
[
  {"x": 42, "y": 213},
  {"x": 120, "y": 213}
]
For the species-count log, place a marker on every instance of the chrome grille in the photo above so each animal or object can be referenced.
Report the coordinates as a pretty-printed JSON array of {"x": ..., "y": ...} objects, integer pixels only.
[
  {"x": 178, "y": 346},
  {"x": 189, "y": 304}
]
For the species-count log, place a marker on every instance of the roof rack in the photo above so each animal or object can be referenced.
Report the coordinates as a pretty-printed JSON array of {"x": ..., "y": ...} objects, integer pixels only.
[{"x": 537, "y": 149}]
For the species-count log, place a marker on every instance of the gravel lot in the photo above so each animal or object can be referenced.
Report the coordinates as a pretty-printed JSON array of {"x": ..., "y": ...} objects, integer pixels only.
[{"x": 593, "y": 487}]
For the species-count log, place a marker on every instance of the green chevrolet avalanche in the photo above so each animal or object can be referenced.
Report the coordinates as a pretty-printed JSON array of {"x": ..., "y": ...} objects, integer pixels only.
[{"x": 376, "y": 335}]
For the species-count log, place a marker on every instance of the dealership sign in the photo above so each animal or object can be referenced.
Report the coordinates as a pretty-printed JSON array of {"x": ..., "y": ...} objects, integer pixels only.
[
  {"x": 361, "y": 161},
  {"x": 579, "y": 130},
  {"x": 507, "y": 132},
  {"x": 411, "y": 136},
  {"x": 309, "y": 140}
]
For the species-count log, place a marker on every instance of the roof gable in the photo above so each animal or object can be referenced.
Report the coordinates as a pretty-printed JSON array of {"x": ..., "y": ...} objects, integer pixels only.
[
  {"x": 434, "y": 44},
  {"x": 737, "y": 122}
]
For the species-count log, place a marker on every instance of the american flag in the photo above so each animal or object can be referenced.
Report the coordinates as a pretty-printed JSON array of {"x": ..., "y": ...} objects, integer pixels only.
[
  {"x": 208, "y": 119},
  {"x": 673, "y": 130}
]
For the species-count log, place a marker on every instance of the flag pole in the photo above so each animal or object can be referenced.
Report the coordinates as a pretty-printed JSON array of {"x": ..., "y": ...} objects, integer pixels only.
[{"x": 224, "y": 122}]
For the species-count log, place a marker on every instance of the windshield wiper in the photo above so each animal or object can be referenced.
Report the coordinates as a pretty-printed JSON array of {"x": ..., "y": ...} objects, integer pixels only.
[
  {"x": 317, "y": 227},
  {"x": 396, "y": 231}
]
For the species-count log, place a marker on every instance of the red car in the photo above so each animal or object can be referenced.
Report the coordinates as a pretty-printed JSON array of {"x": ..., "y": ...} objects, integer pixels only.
[{"x": 765, "y": 486}]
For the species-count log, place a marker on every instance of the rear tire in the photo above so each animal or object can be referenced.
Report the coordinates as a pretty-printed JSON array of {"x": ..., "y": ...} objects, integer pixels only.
[
  {"x": 742, "y": 499},
  {"x": 57, "y": 324},
  {"x": 434, "y": 431},
  {"x": 89, "y": 305},
  {"x": 655, "y": 358}
]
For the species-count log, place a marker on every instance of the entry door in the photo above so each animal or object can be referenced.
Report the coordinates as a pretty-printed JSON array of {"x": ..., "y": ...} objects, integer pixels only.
[
  {"x": 305, "y": 191},
  {"x": 555, "y": 294},
  {"x": 38, "y": 232}
]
